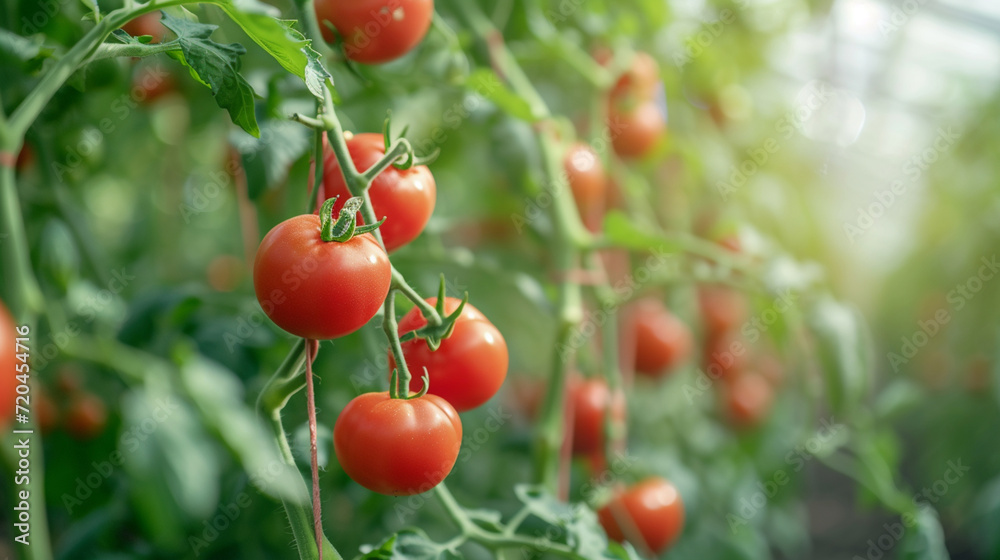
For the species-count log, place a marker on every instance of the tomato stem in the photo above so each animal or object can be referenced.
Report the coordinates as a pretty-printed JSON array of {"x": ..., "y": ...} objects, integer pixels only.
[
  {"x": 400, "y": 388},
  {"x": 312, "y": 348}
]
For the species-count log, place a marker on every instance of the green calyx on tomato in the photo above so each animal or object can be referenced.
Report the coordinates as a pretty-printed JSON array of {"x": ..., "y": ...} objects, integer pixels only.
[
  {"x": 346, "y": 226},
  {"x": 435, "y": 333}
]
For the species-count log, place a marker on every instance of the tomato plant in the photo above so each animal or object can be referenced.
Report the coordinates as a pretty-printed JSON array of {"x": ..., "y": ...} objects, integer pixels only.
[
  {"x": 468, "y": 367},
  {"x": 397, "y": 446},
  {"x": 404, "y": 197},
  {"x": 205, "y": 258},
  {"x": 375, "y": 31}
]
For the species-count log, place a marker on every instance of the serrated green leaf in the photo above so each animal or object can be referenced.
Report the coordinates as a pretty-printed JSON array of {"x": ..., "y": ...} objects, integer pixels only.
[
  {"x": 410, "y": 544},
  {"x": 217, "y": 66},
  {"x": 280, "y": 39}
]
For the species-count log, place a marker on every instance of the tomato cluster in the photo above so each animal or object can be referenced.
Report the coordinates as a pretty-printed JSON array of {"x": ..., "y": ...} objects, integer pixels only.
[
  {"x": 318, "y": 286},
  {"x": 746, "y": 382},
  {"x": 634, "y": 119}
]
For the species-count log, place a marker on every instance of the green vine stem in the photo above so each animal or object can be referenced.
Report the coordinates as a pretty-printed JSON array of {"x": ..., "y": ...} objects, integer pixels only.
[
  {"x": 20, "y": 288},
  {"x": 299, "y": 517},
  {"x": 570, "y": 237},
  {"x": 401, "y": 386}
]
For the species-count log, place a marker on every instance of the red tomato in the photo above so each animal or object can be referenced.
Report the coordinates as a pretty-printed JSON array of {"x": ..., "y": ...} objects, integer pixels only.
[
  {"x": 44, "y": 408},
  {"x": 731, "y": 242},
  {"x": 68, "y": 381},
  {"x": 747, "y": 398},
  {"x": 651, "y": 512},
  {"x": 725, "y": 355},
  {"x": 771, "y": 368},
  {"x": 25, "y": 158},
  {"x": 8, "y": 367},
  {"x": 147, "y": 24},
  {"x": 635, "y": 133},
  {"x": 86, "y": 416},
  {"x": 470, "y": 365},
  {"x": 405, "y": 198},
  {"x": 639, "y": 82},
  {"x": 397, "y": 447},
  {"x": 151, "y": 82},
  {"x": 317, "y": 289},
  {"x": 375, "y": 31},
  {"x": 588, "y": 183},
  {"x": 590, "y": 399},
  {"x": 662, "y": 341},
  {"x": 225, "y": 273},
  {"x": 722, "y": 308}
]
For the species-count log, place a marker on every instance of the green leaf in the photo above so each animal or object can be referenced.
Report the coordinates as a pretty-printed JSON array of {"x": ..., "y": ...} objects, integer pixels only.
[
  {"x": 217, "y": 393},
  {"x": 267, "y": 159},
  {"x": 22, "y": 48},
  {"x": 485, "y": 83},
  {"x": 216, "y": 66},
  {"x": 623, "y": 231},
  {"x": 287, "y": 45},
  {"x": 843, "y": 352},
  {"x": 409, "y": 544}
]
